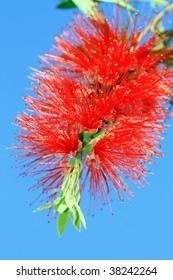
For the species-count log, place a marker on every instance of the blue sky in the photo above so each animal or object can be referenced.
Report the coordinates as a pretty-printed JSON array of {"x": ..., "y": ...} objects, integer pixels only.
[{"x": 142, "y": 229}]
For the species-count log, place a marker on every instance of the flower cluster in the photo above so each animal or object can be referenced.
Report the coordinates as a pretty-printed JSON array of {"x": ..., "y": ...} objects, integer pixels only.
[{"x": 98, "y": 112}]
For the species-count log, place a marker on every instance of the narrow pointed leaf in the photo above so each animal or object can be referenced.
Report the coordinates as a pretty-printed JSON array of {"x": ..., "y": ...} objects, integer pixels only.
[
  {"x": 62, "y": 222},
  {"x": 65, "y": 183},
  {"x": 77, "y": 194},
  {"x": 70, "y": 199},
  {"x": 66, "y": 4},
  {"x": 60, "y": 199},
  {"x": 74, "y": 216},
  {"x": 62, "y": 207},
  {"x": 81, "y": 215},
  {"x": 43, "y": 207}
]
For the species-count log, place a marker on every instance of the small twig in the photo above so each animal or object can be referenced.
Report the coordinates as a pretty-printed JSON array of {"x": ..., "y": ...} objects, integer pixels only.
[{"x": 155, "y": 20}]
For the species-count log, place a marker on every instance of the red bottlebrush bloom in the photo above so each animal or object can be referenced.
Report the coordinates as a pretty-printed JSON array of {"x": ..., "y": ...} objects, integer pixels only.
[
  {"x": 104, "y": 118},
  {"x": 46, "y": 147},
  {"x": 104, "y": 52},
  {"x": 125, "y": 149}
]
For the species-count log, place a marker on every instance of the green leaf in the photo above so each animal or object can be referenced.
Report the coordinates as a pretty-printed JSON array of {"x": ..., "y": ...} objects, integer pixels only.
[
  {"x": 60, "y": 204},
  {"x": 81, "y": 215},
  {"x": 62, "y": 207},
  {"x": 65, "y": 182},
  {"x": 43, "y": 207},
  {"x": 70, "y": 199},
  {"x": 121, "y": 3},
  {"x": 66, "y": 4},
  {"x": 77, "y": 193},
  {"x": 62, "y": 222},
  {"x": 57, "y": 202},
  {"x": 74, "y": 216},
  {"x": 86, "y": 6}
]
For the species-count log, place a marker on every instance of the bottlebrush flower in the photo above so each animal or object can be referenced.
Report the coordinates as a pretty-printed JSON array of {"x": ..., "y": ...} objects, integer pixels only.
[
  {"x": 104, "y": 52},
  {"x": 99, "y": 112}
]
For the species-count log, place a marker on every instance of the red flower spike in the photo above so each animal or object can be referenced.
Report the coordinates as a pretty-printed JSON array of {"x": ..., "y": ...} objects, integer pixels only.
[
  {"x": 125, "y": 149},
  {"x": 104, "y": 119},
  {"x": 105, "y": 53}
]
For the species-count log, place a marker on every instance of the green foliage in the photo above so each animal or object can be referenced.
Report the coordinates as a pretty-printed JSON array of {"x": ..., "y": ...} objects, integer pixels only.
[
  {"x": 61, "y": 207},
  {"x": 59, "y": 201},
  {"x": 81, "y": 216},
  {"x": 66, "y": 4},
  {"x": 87, "y": 6},
  {"x": 75, "y": 219},
  {"x": 44, "y": 207},
  {"x": 62, "y": 222},
  {"x": 68, "y": 201}
]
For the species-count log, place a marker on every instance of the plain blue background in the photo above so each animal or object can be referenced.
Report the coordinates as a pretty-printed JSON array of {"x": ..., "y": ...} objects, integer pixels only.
[{"x": 142, "y": 229}]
